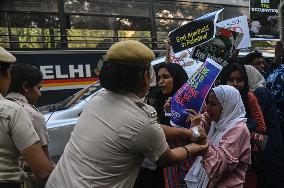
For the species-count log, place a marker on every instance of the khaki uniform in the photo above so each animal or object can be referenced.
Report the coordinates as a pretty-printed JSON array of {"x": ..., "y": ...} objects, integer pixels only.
[
  {"x": 36, "y": 117},
  {"x": 16, "y": 134},
  {"x": 107, "y": 147}
]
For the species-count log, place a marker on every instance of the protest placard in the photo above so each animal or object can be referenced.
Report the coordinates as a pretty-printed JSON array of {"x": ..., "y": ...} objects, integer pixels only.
[
  {"x": 240, "y": 25},
  {"x": 183, "y": 58},
  {"x": 220, "y": 48},
  {"x": 193, "y": 93},
  {"x": 264, "y": 20},
  {"x": 194, "y": 33}
]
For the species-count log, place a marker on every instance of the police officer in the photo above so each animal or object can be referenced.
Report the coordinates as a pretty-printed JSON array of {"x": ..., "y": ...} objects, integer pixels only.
[
  {"x": 26, "y": 82},
  {"x": 17, "y": 135},
  {"x": 116, "y": 129}
]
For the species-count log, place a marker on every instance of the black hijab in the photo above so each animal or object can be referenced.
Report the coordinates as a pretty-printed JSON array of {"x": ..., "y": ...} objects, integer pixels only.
[
  {"x": 179, "y": 78},
  {"x": 225, "y": 74},
  {"x": 178, "y": 74}
]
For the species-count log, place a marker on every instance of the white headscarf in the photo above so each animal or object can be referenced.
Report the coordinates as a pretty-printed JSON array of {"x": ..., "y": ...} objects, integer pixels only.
[
  {"x": 255, "y": 79},
  {"x": 233, "y": 113}
]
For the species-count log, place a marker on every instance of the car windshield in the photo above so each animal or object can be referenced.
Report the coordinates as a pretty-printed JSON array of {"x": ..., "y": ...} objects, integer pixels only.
[{"x": 72, "y": 100}]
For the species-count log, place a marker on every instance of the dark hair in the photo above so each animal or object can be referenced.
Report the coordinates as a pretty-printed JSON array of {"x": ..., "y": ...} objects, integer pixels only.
[
  {"x": 4, "y": 67},
  {"x": 178, "y": 74},
  {"x": 247, "y": 60},
  {"x": 225, "y": 74},
  {"x": 121, "y": 77},
  {"x": 179, "y": 78},
  {"x": 24, "y": 73}
]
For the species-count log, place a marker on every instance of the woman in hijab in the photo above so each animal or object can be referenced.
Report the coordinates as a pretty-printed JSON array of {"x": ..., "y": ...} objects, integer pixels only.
[
  {"x": 171, "y": 77},
  {"x": 270, "y": 170},
  {"x": 234, "y": 74},
  {"x": 225, "y": 162}
]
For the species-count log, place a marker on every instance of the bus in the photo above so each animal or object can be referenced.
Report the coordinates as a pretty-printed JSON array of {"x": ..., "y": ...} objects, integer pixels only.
[{"x": 67, "y": 39}]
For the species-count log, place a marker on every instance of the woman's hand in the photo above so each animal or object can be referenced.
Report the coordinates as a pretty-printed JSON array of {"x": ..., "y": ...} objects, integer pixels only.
[
  {"x": 168, "y": 44},
  {"x": 167, "y": 106},
  {"x": 168, "y": 50},
  {"x": 197, "y": 149},
  {"x": 193, "y": 118},
  {"x": 197, "y": 134},
  {"x": 207, "y": 118}
]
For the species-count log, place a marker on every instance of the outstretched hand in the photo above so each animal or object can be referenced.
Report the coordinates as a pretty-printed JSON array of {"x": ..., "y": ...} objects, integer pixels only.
[
  {"x": 198, "y": 149},
  {"x": 202, "y": 135}
]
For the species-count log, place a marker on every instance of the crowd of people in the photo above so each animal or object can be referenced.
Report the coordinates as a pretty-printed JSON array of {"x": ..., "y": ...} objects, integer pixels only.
[{"x": 124, "y": 137}]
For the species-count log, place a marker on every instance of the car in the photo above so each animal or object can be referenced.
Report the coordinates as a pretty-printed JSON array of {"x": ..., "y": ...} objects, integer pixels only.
[
  {"x": 62, "y": 117},
  {"x": 268, "y": 56}
]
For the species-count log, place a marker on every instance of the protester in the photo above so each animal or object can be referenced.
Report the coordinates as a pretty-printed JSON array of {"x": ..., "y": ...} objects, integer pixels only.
[
  {"x": 277, "y": 60},
  {"x": 116, "y": 130},
  {"x": 256, "y": 60},
  {"x": 225, "y": 161},
  {"x": 234, "y": 74},
  {"x": 17, "y": 136},
  {"x": 171, "y": 77},
  {"x": 275, "y": 83},
  {"x": 270, "y": 172}
]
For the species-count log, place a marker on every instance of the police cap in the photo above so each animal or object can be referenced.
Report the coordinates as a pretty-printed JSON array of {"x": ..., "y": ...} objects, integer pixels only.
[
  {"x": 6, "y": 57},
  {"x": 131, "y": 53}
]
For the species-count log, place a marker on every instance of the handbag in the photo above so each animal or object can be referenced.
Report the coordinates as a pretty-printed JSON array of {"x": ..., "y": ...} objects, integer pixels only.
[{"x": 258, "y": 145}]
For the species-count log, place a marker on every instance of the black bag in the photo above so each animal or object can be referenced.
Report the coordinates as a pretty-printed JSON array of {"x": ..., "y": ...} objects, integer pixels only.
[{"x": 258, "y": 145}]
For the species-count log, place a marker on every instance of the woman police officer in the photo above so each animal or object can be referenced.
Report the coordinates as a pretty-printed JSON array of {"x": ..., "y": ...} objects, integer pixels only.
[{"x": 17, "y": 136}]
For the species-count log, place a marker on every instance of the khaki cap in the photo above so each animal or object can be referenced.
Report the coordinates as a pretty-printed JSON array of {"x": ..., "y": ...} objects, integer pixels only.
[
  {"x": 6, "y": 57},
  {"x": 130, "y": 52}
]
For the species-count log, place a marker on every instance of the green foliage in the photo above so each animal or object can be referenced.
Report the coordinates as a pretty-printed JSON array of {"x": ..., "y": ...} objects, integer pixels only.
[
  {"x": 88, "y": 38},
  {"x": 34, "y": 37},
  {"x": 4, "y": 37}
]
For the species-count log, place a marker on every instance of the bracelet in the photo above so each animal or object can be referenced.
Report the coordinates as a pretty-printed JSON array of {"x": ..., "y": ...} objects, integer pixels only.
[
  {"x": 195, "y": 134},
  {"x": 187, "y": 152}
]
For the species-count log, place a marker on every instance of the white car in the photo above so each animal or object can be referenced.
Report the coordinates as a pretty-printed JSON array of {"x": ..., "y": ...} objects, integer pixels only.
[{"x": 61, "y": 117}]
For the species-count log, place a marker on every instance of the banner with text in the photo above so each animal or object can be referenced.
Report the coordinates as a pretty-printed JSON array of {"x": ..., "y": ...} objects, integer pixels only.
[
  {"x": 194, "y": 33},
  {"x": 240, "y": 25},
  {"x": 264, "y": 20},
  {"x": 220, "y": 48},
  {"x": 193, "y": 93}
]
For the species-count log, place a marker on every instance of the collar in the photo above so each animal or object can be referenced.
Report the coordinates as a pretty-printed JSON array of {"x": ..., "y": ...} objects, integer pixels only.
[
  {"x": 17, "y": 96},
  {"x": 134, "y": 97}
]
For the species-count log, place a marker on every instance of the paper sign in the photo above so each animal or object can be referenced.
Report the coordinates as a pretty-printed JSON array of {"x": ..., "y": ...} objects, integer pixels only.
[
  {"x": 264, "y": 19},
  {"x": 183, "y": 58},
  {"x": 194, "y": 33},
  {"x": 220, "y": 48},
  {"x": 240, "y": 25},
  {"x": 193, "y": 93}
]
